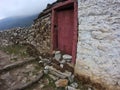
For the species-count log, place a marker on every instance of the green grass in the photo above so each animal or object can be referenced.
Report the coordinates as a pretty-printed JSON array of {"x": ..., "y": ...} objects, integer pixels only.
[
  {"x": 18, "y": 50},
  {"x": 51, "y": 82}
]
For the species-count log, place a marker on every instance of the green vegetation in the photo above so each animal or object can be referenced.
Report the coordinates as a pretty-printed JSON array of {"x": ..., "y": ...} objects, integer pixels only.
[
  {"x": 18, "y": 50},
  {"x": 50, "y": 85}
]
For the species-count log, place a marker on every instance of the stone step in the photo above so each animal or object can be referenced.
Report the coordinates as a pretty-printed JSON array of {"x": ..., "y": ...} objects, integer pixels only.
[
  {"x": 66, "y": 66},
  {"x": 24, "y": 86},
  {"x": 16, "y": 64},
  {"x": 57, "y": 73}
]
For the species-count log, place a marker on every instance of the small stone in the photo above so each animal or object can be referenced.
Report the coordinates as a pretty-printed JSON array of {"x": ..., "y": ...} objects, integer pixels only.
[
  {"x": 46, "y": 71},
  {"x": 75, "y": 85},
  {"x": 67, "y": 57},
  {"x": 63, "y": 61},
  {"x": 57, "y": 55},
  {"x": 40, "y": 61},
  {"x": 61, "y": 65},
  {"x": 57, "y": 52},
  {"x": 15, "y": 34},
  {"x": 70, "y": 88},
  {"x": 89, "y": 88},
  {"x": 61, "y": 83},
  {"x": 71, "y": 78},
  {"x": 42, "y": 85},
  {"x": 40, "y": 57},
  {"x": 119, "y": 83},
  {"x": 46, "y": 67}
]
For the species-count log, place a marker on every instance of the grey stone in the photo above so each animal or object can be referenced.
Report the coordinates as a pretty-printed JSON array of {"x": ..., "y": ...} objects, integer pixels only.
[
  {"x": 71, "y": 88},
  {"x": 67, "y": 57},
  {"x": 46, "y": 71},
  {"x": 63, "y": 61},
  {"x": 57, "y": 55},
  {"x": 119, "y": 82},
  {"x": 74, "y": 84},
  {"x": 61, "y": 65},
  {"x": 58, "y": 73},
  {"x": 57, "y": 52},
  {"x": 15, "y": 34},
  {"x": 46, "y": 67},
  {"x": 42, "y": 86},
  {"x": 71, "y": 78},
  {"x": 89, "y": 88}
]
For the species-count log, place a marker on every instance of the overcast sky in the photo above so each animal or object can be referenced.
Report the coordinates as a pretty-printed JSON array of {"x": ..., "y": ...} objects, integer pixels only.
[{"x": 22, "y": 7}]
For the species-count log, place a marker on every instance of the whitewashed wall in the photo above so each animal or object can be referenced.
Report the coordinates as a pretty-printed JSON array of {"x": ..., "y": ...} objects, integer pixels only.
[{"x": 98, "y": 48}]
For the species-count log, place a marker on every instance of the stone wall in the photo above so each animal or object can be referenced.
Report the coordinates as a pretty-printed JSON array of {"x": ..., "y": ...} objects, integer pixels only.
[
  {"x": 38, "y": 34},
  {"x": 98, "y": 48}
]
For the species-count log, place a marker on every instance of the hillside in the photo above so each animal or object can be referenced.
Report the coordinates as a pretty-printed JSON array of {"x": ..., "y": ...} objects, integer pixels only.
[{"x": 17, "y": 21}]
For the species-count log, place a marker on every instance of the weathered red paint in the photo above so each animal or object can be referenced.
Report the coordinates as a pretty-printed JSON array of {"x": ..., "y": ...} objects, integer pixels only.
[{"x": 67, "y": 27}]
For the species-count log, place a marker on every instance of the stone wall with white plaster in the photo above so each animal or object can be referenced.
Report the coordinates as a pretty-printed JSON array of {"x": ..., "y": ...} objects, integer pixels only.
[{"x": 98, "y": 48}]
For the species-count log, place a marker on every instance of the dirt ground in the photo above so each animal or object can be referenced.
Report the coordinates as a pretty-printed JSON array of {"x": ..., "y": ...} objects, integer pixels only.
[{"x": 26, "y": 73}]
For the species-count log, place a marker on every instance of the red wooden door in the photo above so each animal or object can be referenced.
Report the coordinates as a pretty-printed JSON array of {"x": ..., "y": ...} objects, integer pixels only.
[{"x": 65, "y": 21}]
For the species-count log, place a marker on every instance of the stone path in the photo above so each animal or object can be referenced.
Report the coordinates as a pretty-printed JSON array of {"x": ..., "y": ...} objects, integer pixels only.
[
  {"x": 57, "y": 74},
  {"x": 18, "y": 76},
  {"x": 4, "y": 59}
]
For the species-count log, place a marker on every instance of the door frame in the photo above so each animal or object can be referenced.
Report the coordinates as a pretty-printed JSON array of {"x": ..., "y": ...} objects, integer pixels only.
[{"x": 75, "y": 32}]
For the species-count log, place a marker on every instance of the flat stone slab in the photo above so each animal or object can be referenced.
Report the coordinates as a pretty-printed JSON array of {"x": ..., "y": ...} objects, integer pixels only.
[
  {"x": 57, "y": 55},
  {"x": 67, "y": 57}
]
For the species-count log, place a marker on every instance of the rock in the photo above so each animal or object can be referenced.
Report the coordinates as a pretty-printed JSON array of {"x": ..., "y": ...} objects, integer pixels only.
[
  {"x": 42, "y": 85},
  {"x": 71, "y": 78},
  {"x": 119, "y": 83},
  {"x": 57, "y": 55},
  {"x": 40, "y": 61},
  {"x": 58, "y": 73},
  {"x": 61, "y": 65},
  {"x": 46, "y": 67},
  {"x": 67, "y": 57},
  {"x": 71, "y": 88},
  {"x": 61, "y": 83},
  {"x": 40, "y": 57},
  {"x": 63, "y": 61},
  {"x": 46, "y": 71},
  {"x": 89, "y": 88},
  {"x": 57, "y": 52},
  {"x": 15, "y": 34},
  {"x": 75, "y": 85}
]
